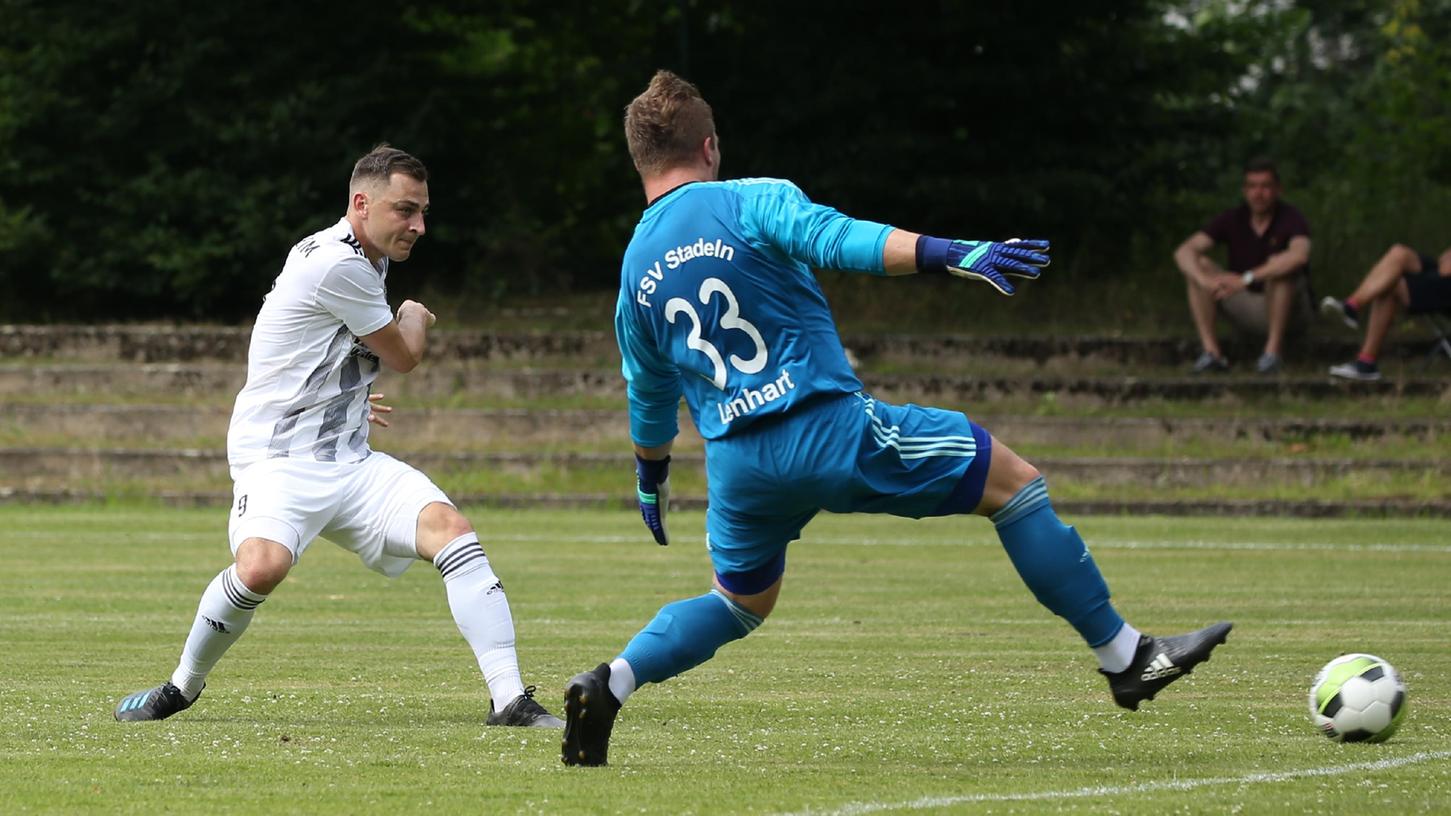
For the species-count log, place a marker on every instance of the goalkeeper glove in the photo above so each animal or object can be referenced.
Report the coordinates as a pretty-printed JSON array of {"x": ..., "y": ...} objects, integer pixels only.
[
  {"x": 988, "y": 261},
  {"x": 652, "y": 488}
]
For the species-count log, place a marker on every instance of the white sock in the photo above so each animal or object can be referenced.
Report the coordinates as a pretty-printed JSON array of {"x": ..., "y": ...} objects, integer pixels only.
[
  {"x": 226, "y": 608},
  {"x": 622, "y": 679},
  {"x": 1116, "y": 655},
  {"x": 476, "y": 598}
]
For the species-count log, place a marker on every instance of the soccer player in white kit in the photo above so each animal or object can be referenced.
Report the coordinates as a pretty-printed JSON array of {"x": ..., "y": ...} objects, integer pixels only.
[{"x": 299, "y": 455}]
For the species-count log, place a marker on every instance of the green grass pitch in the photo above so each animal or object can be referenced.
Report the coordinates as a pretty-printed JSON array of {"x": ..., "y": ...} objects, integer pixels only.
[{"x": 906, "y": 669}]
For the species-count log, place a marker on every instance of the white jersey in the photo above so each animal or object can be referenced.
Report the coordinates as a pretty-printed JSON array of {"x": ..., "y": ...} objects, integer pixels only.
[{"x": 308, "y": 376}]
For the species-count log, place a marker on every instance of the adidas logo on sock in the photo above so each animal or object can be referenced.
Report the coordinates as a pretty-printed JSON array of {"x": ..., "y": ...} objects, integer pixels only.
[
  {"x": 1161, "y": 667},
  {"x": 217, "y": 625}
]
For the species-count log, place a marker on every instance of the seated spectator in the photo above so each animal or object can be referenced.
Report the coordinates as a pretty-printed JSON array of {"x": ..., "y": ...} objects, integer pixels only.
[
  {"x": 1266, "y": 288},
  {"x": 1402, "y": 279}
]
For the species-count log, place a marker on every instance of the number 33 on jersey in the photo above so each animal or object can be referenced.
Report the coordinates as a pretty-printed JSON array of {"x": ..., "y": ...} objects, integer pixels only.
[{"x": 718, "y": 304}]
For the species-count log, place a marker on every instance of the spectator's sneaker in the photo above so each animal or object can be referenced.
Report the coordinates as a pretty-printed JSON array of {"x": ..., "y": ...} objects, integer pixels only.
[
  {"x": 1268, "y": 364},
  {"x": 524, "y": 712},
  {"x": 1349, "y": 315},
  {"x": 1210, "y": 364},
  {"x": 1356, "y": 370},
  {"x": 589, "y": 716},
  {"x": 1160, "y": 661},
  {"x": 153, "y": 704}
]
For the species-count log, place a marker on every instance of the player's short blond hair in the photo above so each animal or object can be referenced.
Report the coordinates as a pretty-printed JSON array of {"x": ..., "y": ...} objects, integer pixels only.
[
  {"x": 380, "y": 163},
  {"x": 666, "y": 124}
]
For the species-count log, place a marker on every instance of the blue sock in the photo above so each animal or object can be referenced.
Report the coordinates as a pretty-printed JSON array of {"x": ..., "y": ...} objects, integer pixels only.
[
  {"x": 685, "y": 634},
  {"x": 1055, "y": 563}
]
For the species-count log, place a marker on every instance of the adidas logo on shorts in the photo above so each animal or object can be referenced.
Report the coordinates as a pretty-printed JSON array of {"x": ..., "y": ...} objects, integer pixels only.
[{"x": 1161, "y": 667}]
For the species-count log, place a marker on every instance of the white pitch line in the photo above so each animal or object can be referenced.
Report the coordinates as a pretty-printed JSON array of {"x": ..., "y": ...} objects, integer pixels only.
[
  {"x": 1273, "y": 546},
  {"x": 857, "y": 808},
  {"x": 45, "y": 535},
  {"x": 1268, "y": 546},
  {"x": 1111, "y": 544}
]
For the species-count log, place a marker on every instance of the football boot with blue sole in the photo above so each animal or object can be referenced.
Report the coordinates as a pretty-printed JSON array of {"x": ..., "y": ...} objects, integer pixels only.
[{"x": 153, "y": 704}]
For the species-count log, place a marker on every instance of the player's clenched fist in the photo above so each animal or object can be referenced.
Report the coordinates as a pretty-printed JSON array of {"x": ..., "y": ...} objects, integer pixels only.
[{"x": 412, "y": 306}]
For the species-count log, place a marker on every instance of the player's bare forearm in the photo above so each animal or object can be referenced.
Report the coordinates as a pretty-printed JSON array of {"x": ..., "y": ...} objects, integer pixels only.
[
  {"x": 414, "y": 319},
  {"x": 401, "y": 343},
  {"x": 899, "y": 255},
  {"x": 1444, "y": 264}
]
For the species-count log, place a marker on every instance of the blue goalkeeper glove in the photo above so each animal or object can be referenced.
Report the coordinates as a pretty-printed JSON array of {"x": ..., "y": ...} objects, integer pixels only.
[
  {"x": 652, "y": 487},
  {"x": 988, "y": 261}
]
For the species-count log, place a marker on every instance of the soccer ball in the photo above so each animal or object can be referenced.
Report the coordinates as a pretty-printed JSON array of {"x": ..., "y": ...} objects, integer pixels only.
[{"x": 1358, "y": 698}]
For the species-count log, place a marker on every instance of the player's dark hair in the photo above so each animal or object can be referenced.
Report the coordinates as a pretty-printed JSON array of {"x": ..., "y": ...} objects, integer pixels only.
[
  {"x": 666, "y": 124},
  {"x": 1262, "y": 164},
  {"x": 382, "y": 162}
]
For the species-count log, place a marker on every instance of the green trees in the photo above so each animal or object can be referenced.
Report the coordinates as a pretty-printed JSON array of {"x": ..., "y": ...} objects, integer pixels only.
[{"x": 156, "y": 158}]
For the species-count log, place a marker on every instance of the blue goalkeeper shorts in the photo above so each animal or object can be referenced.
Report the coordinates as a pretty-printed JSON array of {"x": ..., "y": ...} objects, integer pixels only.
[{"x": 846, "y": 454}]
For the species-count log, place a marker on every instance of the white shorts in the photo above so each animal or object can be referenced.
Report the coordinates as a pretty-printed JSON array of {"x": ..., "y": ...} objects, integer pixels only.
[{"x": 370, "y": 507}]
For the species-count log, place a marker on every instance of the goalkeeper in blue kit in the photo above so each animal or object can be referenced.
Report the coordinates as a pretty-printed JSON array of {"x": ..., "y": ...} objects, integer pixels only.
[{"x": 718, "y": 304}]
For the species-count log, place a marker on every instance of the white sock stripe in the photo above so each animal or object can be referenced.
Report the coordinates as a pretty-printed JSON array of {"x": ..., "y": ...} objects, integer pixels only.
[
  {"x": 457, "y": 554},
  {"x": 238, "y": 594},
  {"x": 459, "y": 566},
  {"x": 745, "y": 617},
  {"x": 1032, "y": 495},
  {"x": 457, "y": 561},
  {"x": 1031, "y": 492},
  {"x": 447, "y": 557}
]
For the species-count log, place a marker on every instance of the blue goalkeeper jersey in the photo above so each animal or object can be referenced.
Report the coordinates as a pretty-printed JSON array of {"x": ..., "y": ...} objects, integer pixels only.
[{"x": 718, "y": 303}]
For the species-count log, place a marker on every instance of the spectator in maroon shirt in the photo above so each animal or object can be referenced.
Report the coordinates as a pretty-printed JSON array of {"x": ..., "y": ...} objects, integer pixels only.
[{"x": 1266, "y": 287}]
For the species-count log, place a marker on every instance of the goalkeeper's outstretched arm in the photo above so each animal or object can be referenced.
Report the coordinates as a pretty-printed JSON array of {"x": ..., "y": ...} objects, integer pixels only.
[{"x": 777, "y": 213}]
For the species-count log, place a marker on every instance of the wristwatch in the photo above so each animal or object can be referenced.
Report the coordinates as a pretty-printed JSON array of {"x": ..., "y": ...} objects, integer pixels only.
[{"x": 1248, "y": 277}]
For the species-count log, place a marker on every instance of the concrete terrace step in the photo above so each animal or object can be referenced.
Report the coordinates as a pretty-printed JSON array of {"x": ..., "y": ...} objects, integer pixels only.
[
  {"x": 37, "y": 466},
  {"x": 89, "y": 424},
  {"x": 625, "y": 502},
  {"x": 964, "y": 390},
  {"x": 474, "y": 379},
  {"x": 464, "y": 428},
  {"x": 152, "y": 344},
  {"x": 158, "y": 344},
  {"x": 1176, "y": 352},
  {"x": 213, "y": 380}
]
